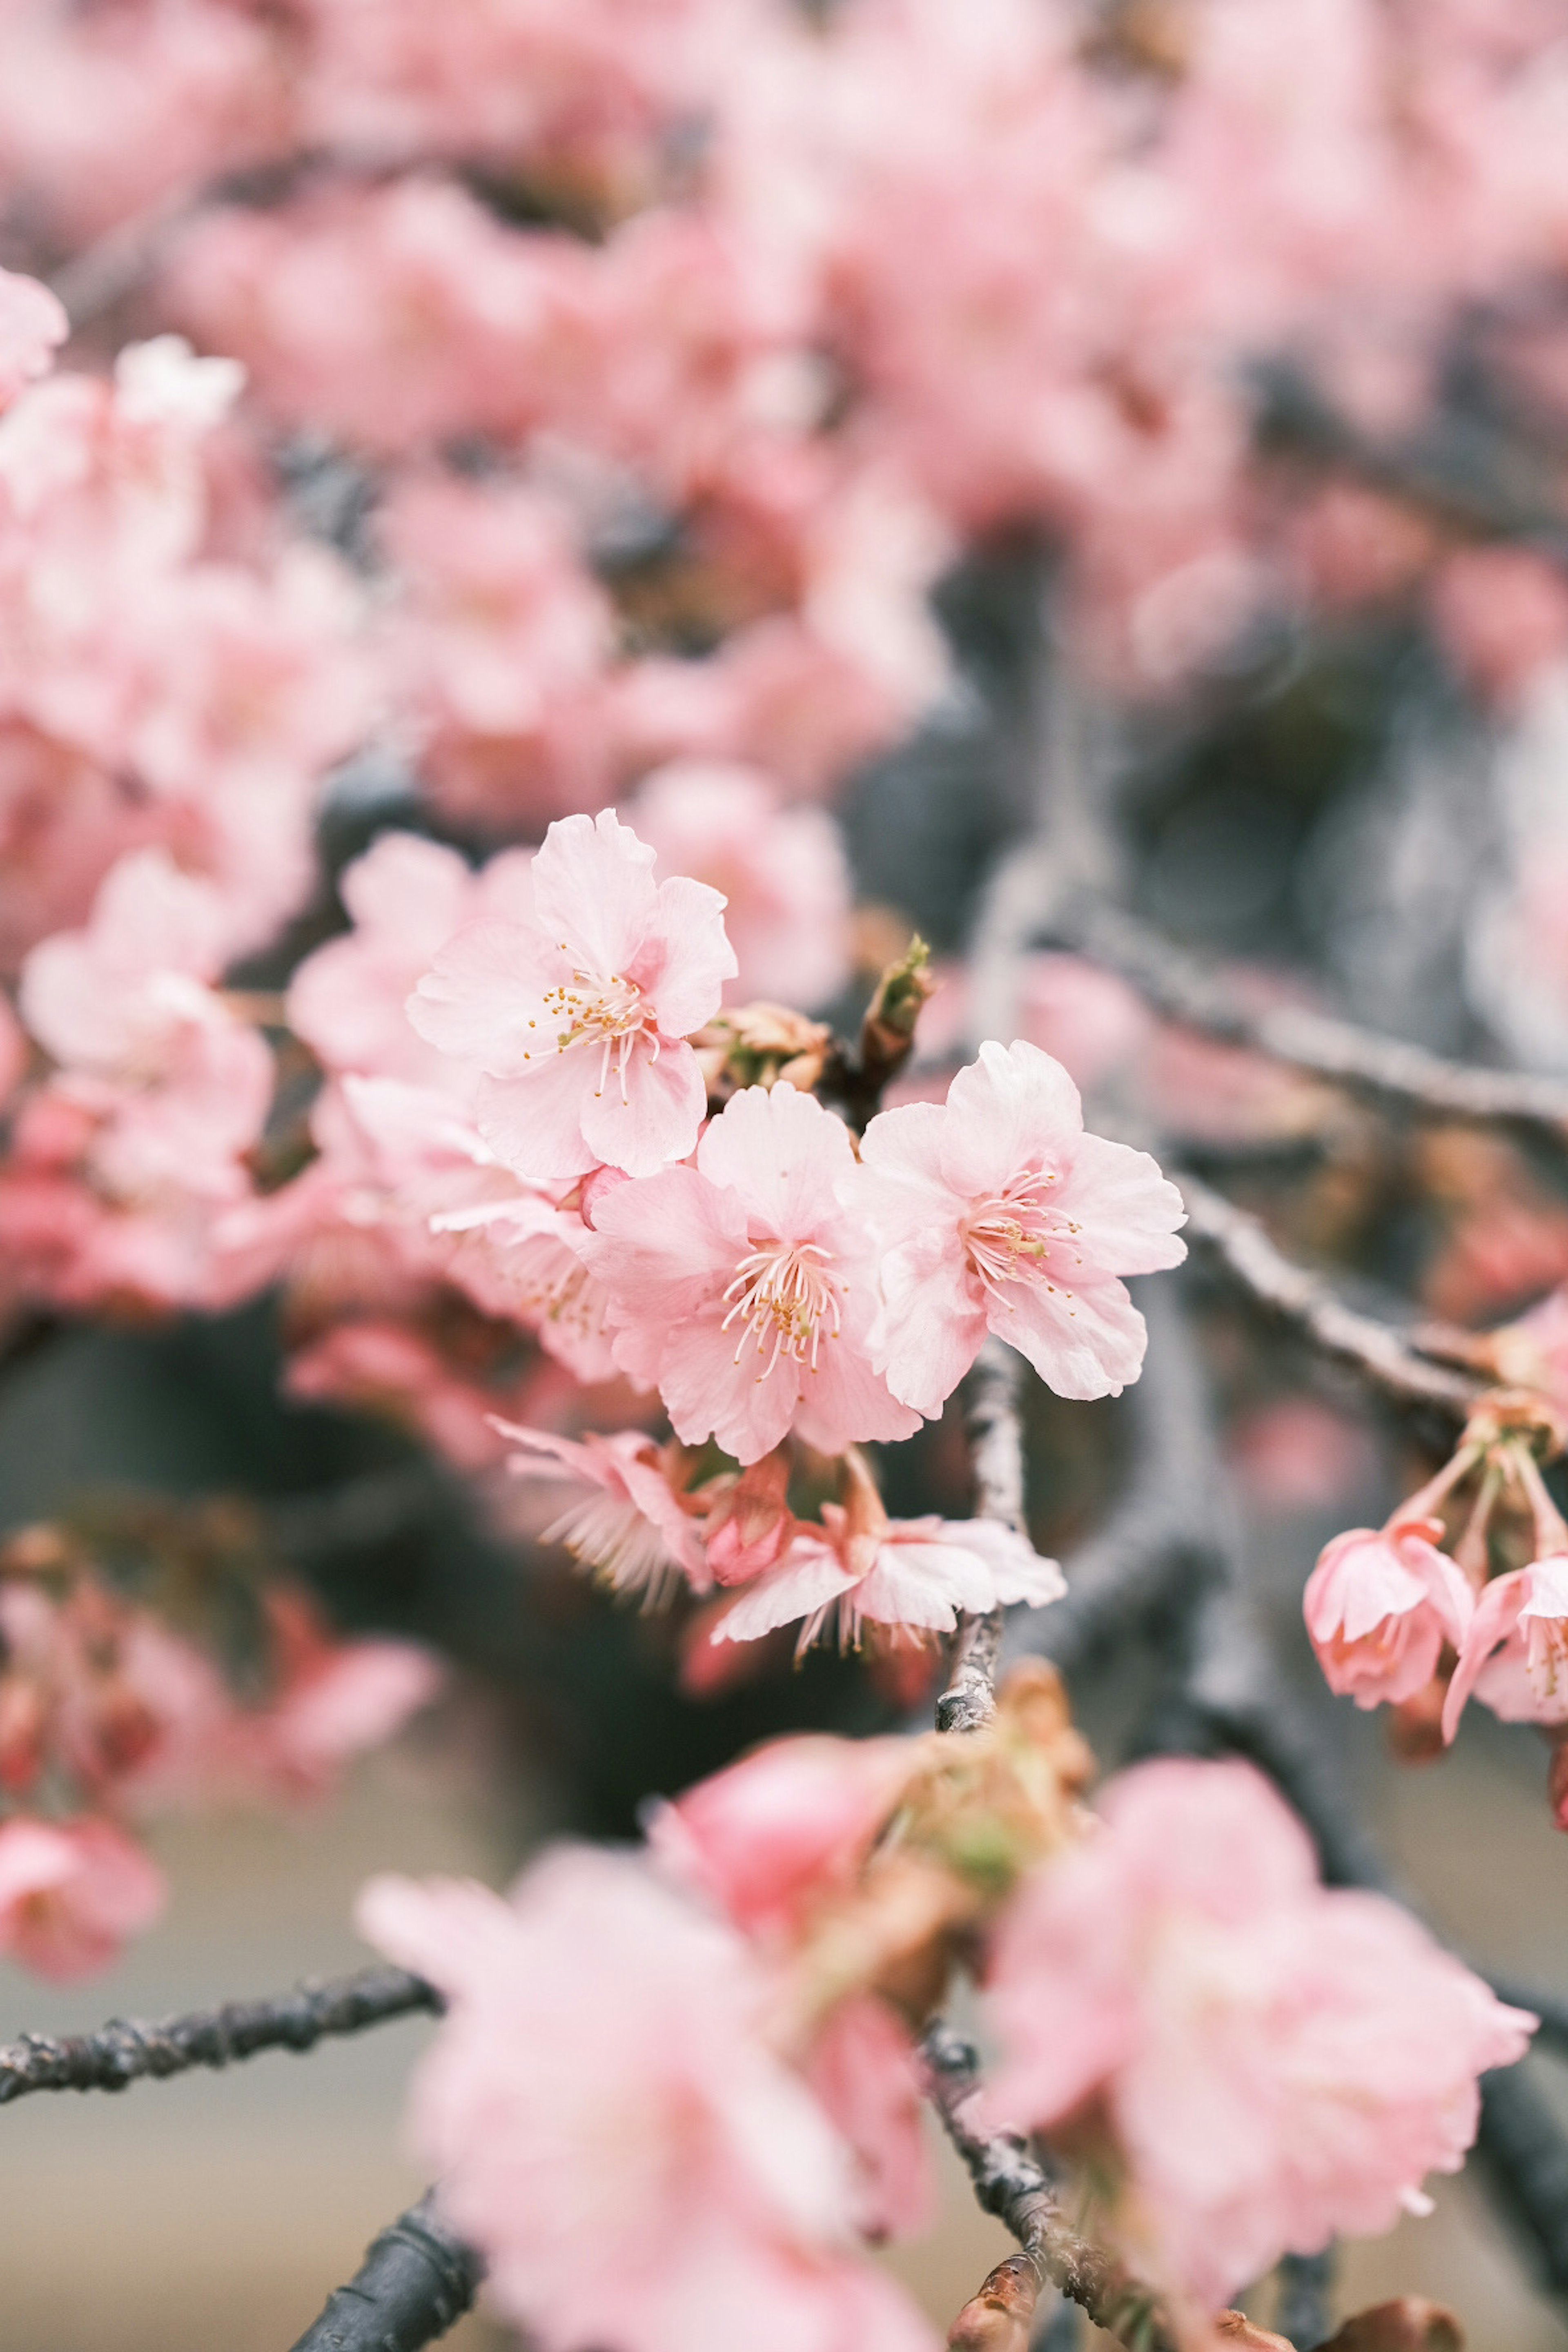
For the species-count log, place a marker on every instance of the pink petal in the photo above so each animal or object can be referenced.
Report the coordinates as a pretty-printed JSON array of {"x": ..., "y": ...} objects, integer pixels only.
[
  {"x": 1127, "y": 1210},
  {"x": 656, "y": 1119},
  {"x": 1014, "y": 1108},
  {"x": 534, "y": 1124},
  {"x": 686, "y": 961},
  {"x": 1497, "y": 1613},
  {"x": 809, "y": 1576},
  {"x": 1085, "y": 1343},
  {"x": 593, "y": 890}
]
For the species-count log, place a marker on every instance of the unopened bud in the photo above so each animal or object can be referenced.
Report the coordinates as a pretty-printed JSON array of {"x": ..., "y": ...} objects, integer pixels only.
[
  {"x": 1557, "y": 1782},
  {"x": 752, "y": 1524},
  {"x": 1239, "y": 2333},
  {"x": 997, "y": 2319}
]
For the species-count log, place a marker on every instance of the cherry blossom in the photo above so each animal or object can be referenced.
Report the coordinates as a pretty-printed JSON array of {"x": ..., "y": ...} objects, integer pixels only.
[
  {"x": 624, "y": 1521},
  {"x": 611, "y": 2129},
  {"x": 1182, "y": 1976},
  {"x": 1380, "y": 1607},
  {"x": 996, "y": 1212},
  {"x": 71, "y": 1892},
  {"x": 1514, "y": 1655},
  {"x": 578, "y": 1018},
  {"x": 741, "y": 1287}
]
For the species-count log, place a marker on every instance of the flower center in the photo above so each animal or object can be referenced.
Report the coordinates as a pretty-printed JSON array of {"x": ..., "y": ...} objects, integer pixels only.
[
  {"x": 604, "y": 1011},
  {"x": 1546, "y": 1653},
  {"x": 1018, "y": 1234},
  {"x": 783, "y": 1292}
]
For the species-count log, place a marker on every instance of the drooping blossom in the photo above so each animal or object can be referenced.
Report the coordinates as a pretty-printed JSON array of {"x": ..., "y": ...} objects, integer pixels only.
[
  {"x": 1260, "y": 2064},
  {"x": 1514, "y": 1656},
  {"x": 611, "y": 2129},
  {"x": 782, "y": 871},
  {"x": 996, "y": 1212},
  {"x": 741, "y": 1287},
  {"x": 1380, "y": 1606},
  {"x": 579, "y": 1017},
  {"x": 71, "y": 1892},
  {"x": 910, "y": 1577},
  {"x": 624, "y": 1521}
]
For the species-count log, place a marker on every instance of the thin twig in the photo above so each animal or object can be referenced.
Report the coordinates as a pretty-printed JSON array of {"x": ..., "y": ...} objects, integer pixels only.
[
  {"x": 126, "y": 2049},
  {"x": 996, "y": 1456},
  {"x": 1303, "y": 2313},
  {"x": 1009, "y": 2183},
  {"x": 1386, "y": 1069},
  {"x": 1375, "y": 1349},
  {"x": 416, "y": 2282}
]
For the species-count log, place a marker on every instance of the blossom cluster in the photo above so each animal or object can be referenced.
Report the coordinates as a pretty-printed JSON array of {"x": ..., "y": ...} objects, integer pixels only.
[{"x": 675, "y": 2089}]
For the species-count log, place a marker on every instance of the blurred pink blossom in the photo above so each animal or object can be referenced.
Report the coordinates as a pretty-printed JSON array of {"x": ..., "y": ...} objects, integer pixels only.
[
  {"x": 611, "y": 2129},
  {"x": 1181, "y": 1981},
  {"x": 71, "y": 1892}
]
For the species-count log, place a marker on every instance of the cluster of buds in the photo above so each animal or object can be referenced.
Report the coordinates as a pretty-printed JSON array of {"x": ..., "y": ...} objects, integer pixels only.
[{"x": 1461, "y": 1595}]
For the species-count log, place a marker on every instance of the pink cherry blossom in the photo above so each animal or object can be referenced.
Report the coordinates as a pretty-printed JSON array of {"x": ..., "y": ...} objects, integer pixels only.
[
  {"x": 624, "y": 1521},
  {"x": 375, "y": 1364},
  {"x": 1514, "y": 1656},
  {"x": 71, "y": 1892},
  {"x": 911, "y": 1578},
  {"x": 1380, "y": 1606},
  {"x": 611, "y": 2129},
  {"x": 333, "y": 1701},
  {"x": 579, "y": 1017},
  {"x": 782, "y": 873},
  {"x": 32, "y": 324},
  {"x": 405, "y": 897},
  {"x": 996, "y": 1212},
  {"x": 863, "y": 2069},
  {"x": 1273, "y": 2063},
  {"x": 741, "y": 1287},
  {"x": 772, "y": 1838}
]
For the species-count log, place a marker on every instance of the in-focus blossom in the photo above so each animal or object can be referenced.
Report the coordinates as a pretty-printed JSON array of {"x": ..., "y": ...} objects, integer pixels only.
[
  {"x": 782, "y": 870},
  {"x": 996, "y": 1212},
  {"x": 741, "y": 1289},
  {"x": 624, "y": 1521},
  {"x": 1514, "y": 1656},
  {"x": 1380, "y": 1607},
  {"x": 911, "y": 1579},
  {"x": 579, "y": 1018},
  {"x": 71, "y": 1892},
  {"x": 611, "y": 2129},
  {"x": 1260, "y": 2064}
]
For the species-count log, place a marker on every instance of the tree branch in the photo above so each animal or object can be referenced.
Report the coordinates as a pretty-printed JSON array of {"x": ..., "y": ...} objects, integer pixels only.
[
  {"x": 1009, "y": 2183},
  {"x": 1387, "y": 1069},
  {"x": 996, "y": 1454},
  {"x": 126, "y": 2049},
  {"x": 1376, "y": 1350},
  {"x": 416, "y": 2282}
]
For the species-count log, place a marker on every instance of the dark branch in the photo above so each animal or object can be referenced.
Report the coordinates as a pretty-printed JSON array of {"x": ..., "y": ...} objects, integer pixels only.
[
  {"x": 1009, "y": 2183},
  {"x": 416, "y": 2282},
  {"x": 1306, "y": 2283},
  {"x": 1376, "y": 1350},
  {"x": 126, "y": 2049},
  {"x": 996, "y": 1454},
  {"x": 1385, "y": 1068}
]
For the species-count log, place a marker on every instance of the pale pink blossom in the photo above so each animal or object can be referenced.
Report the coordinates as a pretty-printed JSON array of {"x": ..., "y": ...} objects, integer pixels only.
[
  {"x": 113, "y": 998},
  {"x": 579, "y": 1017},
  {"x": 406, "y": 897},
  {"x": 1514, "y": 1656},
  {"x": 741, "y": 1289},
  {"x": 773, "y": 1838},
  {"x": 373, "y": 1363},
  {"x": 33, "y": 323},
  {"x": 911, "y": 1578},
  {"x": 782, "y": 870},
  {"x": 71, "y": 1892},
  {"x": 996, "y": 1212},
  {"x": 1380, "y": 1607},
  {"x": 1271, "y": 2064},
  {"x": 611, "y": 2129},
  {"x": 624, "y": 1521}
]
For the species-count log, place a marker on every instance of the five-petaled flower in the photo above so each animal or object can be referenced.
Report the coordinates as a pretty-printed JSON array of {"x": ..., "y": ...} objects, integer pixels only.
[{"x": 578, "y": 1018}]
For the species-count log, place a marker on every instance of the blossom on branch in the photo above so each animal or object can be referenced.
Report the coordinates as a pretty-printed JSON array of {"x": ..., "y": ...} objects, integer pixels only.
[
  {"x": 995, "y": 1211},
  {"x": 1251, "y": 2063}
]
